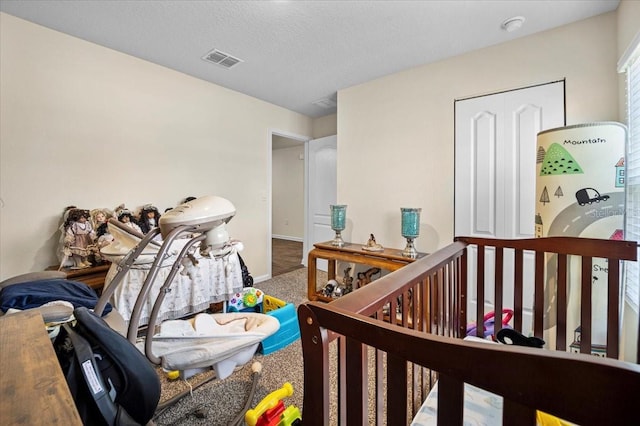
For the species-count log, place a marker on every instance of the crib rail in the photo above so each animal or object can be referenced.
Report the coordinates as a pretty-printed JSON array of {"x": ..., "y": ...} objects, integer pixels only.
[
  {"x": 423, "y": 296},
  {"x": 550, "y": 260},
  {"x": 384, "y": 342},
  {"x": 580, "y": 388}
]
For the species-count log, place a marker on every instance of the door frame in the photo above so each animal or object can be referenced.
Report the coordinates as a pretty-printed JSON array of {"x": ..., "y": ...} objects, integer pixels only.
[{"x": 302, "y": 139}]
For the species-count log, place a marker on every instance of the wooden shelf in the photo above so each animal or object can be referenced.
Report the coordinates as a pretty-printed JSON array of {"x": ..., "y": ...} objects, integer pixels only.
[{"x": 390, "y": 259}]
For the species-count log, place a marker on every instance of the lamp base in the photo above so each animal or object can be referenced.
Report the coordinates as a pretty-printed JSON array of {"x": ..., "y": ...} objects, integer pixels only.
[
  {"x": 410, "y": 250},
  {"x": 337, "y": 240}
]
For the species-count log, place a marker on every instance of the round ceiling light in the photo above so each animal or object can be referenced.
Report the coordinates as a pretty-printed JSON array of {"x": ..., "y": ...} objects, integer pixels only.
[{"x": 513, "y": 24}]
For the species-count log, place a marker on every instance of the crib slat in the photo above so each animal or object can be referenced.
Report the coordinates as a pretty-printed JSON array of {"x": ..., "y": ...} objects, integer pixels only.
[
  {"x": 356, "y": 382},
  {"x": 396, "y": 390},
  {"x": 462, "y": 290},
  {"x": 435, "y": 291},
  {"x": 450, "y": 401},
  {"x": 518, "y": 274},
  {"x": 613, "y": 307},
  {"x": 424, "y": 304},
  {"x": 585, "y": 305},
  {"x": 452, "y": 302},
  {"x": 538, "y": 297},
  {"x": 561, "y": 295},
  {"x": 405, "y": 310},
  {"x": 499, "y": 283},
  {"x": 480, "y": 291},
  {"x": 517, "y": 414},
  {"x": 441, "y": 295},
  {"x": 455, "y": 279}
]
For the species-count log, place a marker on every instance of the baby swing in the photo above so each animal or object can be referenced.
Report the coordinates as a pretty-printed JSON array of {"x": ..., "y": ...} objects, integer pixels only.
[{"x": 218, "y": 341}]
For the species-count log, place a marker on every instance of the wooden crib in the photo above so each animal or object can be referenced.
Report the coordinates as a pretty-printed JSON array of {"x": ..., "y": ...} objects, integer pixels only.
[{"x": 371, "y": 356}]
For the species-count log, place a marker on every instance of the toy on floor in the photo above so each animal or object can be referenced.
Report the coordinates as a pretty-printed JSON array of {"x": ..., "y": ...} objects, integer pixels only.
[
  {"x": 289, "y": 330},
  {"x": 271, "y": 411},
  {"x": 249, "y": 299}
]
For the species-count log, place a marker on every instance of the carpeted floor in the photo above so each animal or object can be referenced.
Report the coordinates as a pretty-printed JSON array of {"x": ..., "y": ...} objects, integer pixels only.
[{"x": 219, "y": 401}]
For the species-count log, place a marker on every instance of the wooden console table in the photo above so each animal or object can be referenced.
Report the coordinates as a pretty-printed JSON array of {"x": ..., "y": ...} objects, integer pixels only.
[
  {"x": 33, "y": 390},
  {"x": 93, "y": 276},
  {"x": 390, "y": 259}
]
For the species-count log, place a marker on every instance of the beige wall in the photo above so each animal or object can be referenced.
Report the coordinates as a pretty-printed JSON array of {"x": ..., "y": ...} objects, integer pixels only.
[
  {"x": 288, "y": 193},
  {"x": 85, "y": 125},
  {"x": 628, "y": 15},
  {"x": 325, "y": 126},
  {"x": 396, "y": 134}
]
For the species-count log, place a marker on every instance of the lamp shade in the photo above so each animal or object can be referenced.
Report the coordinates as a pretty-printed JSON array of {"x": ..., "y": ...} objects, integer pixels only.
[
  {"x": 410, "y": 222},
  {"x": 338, "y": 216}
]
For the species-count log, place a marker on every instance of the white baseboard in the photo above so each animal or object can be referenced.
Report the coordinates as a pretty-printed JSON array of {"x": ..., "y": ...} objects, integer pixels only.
[
  {"x": 284, "y": 237},
  {"x": 257, "y": 280}
]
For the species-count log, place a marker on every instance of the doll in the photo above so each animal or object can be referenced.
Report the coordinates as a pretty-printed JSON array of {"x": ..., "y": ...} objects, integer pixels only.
[
  {"x": 149, "y": 218},
  {"x": 100, "y": 216},
  {"x": 104, "y": 239},
  {"x": 79, "y": 238},
  {"x": 126, "y": 217},
  {"x": 63, "y": 254}
]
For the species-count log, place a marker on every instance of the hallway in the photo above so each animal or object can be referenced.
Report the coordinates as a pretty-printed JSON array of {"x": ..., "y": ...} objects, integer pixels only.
[{"x": 286, "y": 256}]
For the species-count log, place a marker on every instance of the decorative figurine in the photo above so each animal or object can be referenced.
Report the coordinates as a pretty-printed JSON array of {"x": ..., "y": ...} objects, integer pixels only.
[
  {"x": 64, "y": 256},
  {"x": 329, "y": 288},
  {"x": 104, "y": 239},
  {"x": 126, "y": 217},
  {"x": 372, "y": 245},
  {"x": 347, "y": 281},
  {"x": 100, "y": 216},
  {"x": 149, "y": 218},
  {"x": 366, "y": 277},
  {"x": 79, "y": 238}
]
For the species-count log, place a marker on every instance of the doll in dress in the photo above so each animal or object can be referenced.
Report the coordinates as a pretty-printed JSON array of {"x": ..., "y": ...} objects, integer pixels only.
[
  {"x": 63, "y": 254},
  {"x": 126, "y": 217},
  {"x": 99, "y": 219},
  {"x": 79, "y": 238},
  {"x": 104, "y": 239},
  {"x": 149, "y": 218},
  {"x": 100, "y": 216}
]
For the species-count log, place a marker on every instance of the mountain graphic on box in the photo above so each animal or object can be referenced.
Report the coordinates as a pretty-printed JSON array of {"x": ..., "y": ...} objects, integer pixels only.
[{"x": 558, "y": 161}]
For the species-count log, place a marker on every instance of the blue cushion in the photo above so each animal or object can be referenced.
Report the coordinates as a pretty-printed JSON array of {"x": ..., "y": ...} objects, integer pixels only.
[{"x": 36, "y": 293}]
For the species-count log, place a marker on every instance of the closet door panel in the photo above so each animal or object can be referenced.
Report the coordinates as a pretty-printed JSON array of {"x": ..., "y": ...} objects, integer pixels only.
[{"x": 495, "y": 166}]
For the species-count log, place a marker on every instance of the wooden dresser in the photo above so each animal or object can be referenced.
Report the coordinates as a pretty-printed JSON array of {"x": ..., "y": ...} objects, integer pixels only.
[
  {"x": 93, "y": 277},
  {"x": 33, "y": 390}
]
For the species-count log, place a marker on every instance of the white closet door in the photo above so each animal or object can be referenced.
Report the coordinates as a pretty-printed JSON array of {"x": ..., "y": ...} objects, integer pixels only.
[{"x": 495, "y": 159}]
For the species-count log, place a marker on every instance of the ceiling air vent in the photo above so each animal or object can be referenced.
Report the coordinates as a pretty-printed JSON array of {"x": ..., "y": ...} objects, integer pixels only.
[
  {"x": 326, "y": 103},
  {"x": 220, "y": 58}
]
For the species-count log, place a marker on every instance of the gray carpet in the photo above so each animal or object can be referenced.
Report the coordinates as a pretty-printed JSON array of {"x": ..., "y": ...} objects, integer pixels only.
[{"x": 219, "y": 401}]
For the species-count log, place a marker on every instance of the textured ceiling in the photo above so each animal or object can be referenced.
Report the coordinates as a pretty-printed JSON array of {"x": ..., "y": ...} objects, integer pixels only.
[{"x": 297, "y": 52}]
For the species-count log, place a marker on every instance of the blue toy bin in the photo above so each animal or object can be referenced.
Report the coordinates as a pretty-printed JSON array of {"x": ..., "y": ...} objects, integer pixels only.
[{"x": 289, "y": 330}]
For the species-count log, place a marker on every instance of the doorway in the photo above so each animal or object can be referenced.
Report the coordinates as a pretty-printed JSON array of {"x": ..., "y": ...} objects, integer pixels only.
[
  {"x": 303, "y": 182},
  {"x": 287, "y": 202}
]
